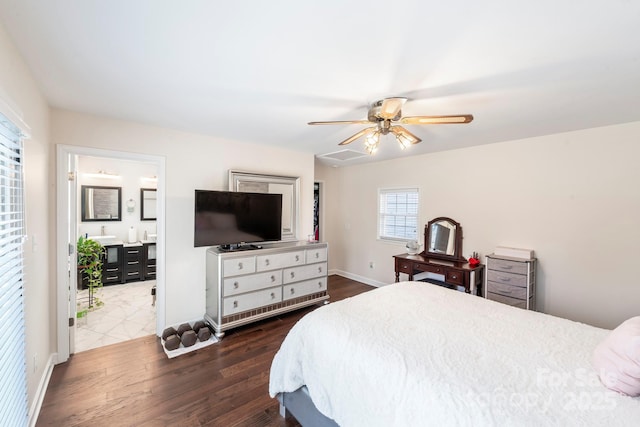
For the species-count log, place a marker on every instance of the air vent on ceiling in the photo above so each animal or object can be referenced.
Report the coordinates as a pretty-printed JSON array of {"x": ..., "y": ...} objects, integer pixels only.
[{"x": 343, "y": 155}]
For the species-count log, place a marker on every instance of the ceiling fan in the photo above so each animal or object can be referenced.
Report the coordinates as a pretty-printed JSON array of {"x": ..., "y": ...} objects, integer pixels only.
[{"x": 385, "y": 111}]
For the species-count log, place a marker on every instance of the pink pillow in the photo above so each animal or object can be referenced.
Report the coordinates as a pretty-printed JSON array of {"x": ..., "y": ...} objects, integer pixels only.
[{"x": 617, "y": 358}]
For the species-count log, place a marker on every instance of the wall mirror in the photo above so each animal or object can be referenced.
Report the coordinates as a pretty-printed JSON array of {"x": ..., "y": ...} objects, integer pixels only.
[
  {"x": 148, "y": 204},
  {"x": 286, "y": 185},
  {"x": 100, "y": 203},
  {"x": 443, "y": 239}
]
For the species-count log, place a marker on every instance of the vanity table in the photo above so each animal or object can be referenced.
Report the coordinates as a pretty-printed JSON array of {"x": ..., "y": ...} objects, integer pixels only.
[{"x": 442, "y": 257}]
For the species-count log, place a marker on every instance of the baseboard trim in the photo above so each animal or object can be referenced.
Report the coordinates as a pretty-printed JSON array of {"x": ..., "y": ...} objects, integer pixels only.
[
  {"x": 358, "y": 278},
  {"x": 36, "y": 405}
]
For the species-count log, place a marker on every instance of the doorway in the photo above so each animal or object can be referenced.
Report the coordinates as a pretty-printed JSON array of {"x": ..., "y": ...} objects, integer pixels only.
[{"x": 69, "y": 229}]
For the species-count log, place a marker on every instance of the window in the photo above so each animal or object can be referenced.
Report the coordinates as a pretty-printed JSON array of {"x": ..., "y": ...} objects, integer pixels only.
[
  {"x": 398, "y": 214},
  {"x": 13, "y": 383}
]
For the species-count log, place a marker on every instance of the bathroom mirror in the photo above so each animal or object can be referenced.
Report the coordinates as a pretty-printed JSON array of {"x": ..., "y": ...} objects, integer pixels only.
[
  {"x": 148, "y": 204},
  {"x": 443, "y": 239},
  {"x": 100, "y": 203}
]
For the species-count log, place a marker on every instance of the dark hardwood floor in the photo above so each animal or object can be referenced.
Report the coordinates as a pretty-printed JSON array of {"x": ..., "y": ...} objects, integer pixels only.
[{"x": 134, "y": 383}]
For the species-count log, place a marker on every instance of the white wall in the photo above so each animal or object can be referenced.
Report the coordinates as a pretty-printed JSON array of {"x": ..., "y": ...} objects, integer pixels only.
[
  {"x": 19, "y": 91},
  {"x": 130, "y": 179},
  {"x": 192, "y": 162},
  {"x": 571, "y": 197}
]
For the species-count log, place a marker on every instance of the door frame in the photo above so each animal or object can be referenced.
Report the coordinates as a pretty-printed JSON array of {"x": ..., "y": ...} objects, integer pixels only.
[{"x": 64, "y": 230}]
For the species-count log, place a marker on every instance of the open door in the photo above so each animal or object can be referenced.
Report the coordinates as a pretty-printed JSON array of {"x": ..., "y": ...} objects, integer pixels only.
[{"x": 66, "y": 252}]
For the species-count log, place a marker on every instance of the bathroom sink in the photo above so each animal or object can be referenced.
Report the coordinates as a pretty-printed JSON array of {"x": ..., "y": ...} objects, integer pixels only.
[{"x": 105, "y": 240}]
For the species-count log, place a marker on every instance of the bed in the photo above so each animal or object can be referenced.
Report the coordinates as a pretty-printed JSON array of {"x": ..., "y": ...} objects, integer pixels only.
[{"x": 417, "y": 354}]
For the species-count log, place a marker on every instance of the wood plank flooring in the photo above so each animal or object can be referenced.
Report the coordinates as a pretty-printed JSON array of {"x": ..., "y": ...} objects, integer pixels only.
[{"x": 134, "y": 383}]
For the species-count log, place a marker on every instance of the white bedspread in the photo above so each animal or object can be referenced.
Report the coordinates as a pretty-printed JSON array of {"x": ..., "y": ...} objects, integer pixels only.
[{"x": 415, "y": 354}]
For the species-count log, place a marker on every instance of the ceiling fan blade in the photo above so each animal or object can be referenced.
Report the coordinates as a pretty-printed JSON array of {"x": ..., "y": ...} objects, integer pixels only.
[
  {"x": 358, "y": 135},
  {"x": 390, "y": 107},
  {"x": 342, "y": 122},
  {"x": 403, "y": 136},
  {"x": 437, "y": 120}
]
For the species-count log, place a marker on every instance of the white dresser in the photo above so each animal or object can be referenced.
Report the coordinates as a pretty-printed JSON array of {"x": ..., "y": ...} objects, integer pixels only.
[
  {"x": 246, "y": 286},
  {"x": 511, "y": 281}
]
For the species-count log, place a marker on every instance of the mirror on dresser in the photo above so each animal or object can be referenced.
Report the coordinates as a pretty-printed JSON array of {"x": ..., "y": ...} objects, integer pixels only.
[
  {"x": 101, "y": 203},
  {"x": 443, "y": 239}
]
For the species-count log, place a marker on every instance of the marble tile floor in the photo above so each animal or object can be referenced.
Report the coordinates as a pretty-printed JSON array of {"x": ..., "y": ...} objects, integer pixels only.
[{"x": 127, "y": 313}]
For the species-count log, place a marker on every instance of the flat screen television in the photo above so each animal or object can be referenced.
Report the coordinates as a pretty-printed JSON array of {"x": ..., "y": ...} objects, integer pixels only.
[{"x": 229, "y": 218}]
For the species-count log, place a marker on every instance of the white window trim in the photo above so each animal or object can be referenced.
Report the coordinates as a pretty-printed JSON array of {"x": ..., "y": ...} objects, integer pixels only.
[{"x": 397, "y": 240}]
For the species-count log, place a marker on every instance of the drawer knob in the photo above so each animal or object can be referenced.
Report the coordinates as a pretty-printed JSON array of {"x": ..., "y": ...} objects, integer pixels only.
[
  {"x": 319, "y": 269},
  {"x": 293, "y": 274},
  {"x": 317, "y": 255},
  {"x": 273, "y": 296},
  {"x": 239, "y": 266},
  {"x": 273, "y": 278},
  {"x": 235, "y": 285},
  {"x": 266, "y": 261},
  {"x": 297, "y": 257},
  {"x": 319, "y": 284},
  {"x": 453, "y": 276},
  {"x": 235, "y": 304},
  {"x": 292, "y": 291}
]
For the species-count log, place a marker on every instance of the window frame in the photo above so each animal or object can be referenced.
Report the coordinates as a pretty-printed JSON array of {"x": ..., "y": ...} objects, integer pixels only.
[{"x": 385, "y": 192}]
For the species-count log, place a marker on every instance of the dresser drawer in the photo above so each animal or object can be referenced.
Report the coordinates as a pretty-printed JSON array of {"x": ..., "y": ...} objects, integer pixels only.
[
  {"x": 114, "y": 276},
  {"x": 239, "y": 303},
  {"x": 520, "y": 303},
  {"x": 316, "y": 255},
  {"x": 304, "y": 288},
  {"x": 132, "y": 252},
  {"x": 275, "y": 261},
  {"x": 507, "y": 266},
  {"x": 253, "y": 282},
  {"x": 431, "y": 268},
  {"x": 507, "y": 290},
  {"x": 297, "y": 274},
  {"x": 453, "y": 276},
  {"x": 237, "y": 266},
  {"x": 507, "y": 278},
  {"x": 403, "y": 266}
]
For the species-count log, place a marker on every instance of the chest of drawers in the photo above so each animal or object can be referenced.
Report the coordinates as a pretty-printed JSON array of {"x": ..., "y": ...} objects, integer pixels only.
[
  {"x": 511, "y": 281},
  {"x": 133, "y": 262},
  {"x": 246, "y": 286}
]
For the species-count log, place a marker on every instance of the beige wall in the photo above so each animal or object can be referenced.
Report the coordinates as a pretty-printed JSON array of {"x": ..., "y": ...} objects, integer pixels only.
[
  {"x": 19, "y": 92},
  {"x": 571, "y": 197},
  {"x": 192, "y": 162}
]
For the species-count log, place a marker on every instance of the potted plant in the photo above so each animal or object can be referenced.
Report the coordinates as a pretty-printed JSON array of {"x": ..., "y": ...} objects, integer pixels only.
[{"x": 90, "y": 254}]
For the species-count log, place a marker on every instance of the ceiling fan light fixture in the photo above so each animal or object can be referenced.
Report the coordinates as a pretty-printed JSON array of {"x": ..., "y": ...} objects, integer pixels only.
[
  {"x": 403, "y": 141},
  {"x": 372, "y": 141}
]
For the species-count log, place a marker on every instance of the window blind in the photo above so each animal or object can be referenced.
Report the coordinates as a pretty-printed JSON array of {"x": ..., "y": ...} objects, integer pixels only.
[
  {"x": 398, "y": 214},
  {"x": 13, "y": 381}
]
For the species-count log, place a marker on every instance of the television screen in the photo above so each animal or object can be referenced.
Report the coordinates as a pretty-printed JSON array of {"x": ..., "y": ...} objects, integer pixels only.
[{"x": 230, "y": 218}]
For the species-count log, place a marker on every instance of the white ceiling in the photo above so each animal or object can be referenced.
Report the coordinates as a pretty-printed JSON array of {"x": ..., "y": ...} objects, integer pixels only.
[{"x": 258, "y": 71}]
